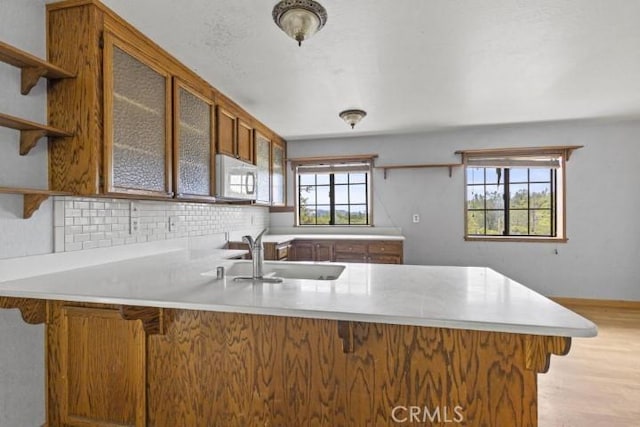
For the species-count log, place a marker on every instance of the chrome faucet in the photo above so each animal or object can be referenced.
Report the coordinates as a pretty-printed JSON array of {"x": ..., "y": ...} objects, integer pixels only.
[
  {"x": 257, "y": 255},
  {"x": 256, "y": 249}
]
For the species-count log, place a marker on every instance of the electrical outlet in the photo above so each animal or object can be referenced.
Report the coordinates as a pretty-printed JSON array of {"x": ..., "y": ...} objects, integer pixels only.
[
  {"x": 134, "y": 220},
  {"x": 416, "y": 218},
  {"x": 173, "y": 224},
  {"x": 134, "y": 225}
]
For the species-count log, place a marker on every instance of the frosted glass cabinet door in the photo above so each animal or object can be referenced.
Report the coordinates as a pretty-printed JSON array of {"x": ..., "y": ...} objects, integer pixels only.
[
  {"x": 193, "y": 136},
  {"x": 277, "y": 177},
  {"x": 263, "y": 162},
  {"x": 137, "y": 123}
]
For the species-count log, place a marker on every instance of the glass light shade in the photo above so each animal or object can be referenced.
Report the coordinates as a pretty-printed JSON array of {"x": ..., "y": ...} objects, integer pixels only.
[
  {"x": 299, "y": 24},
  {"x": 352, "y": 117},
  {"x": 300, "y": 19}
]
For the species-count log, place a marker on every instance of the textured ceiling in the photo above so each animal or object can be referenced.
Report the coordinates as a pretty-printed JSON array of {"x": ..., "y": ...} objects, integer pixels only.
[{"x": 411, "y": 64}]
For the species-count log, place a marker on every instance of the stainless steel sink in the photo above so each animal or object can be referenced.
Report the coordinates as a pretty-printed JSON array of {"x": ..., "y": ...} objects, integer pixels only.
[{"x": 285, "y": 270}]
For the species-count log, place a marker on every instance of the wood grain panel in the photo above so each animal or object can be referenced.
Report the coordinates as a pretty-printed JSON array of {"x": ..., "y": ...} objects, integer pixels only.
[
  {"x": 226, "y": 134},
  {"x": 75, "y": 104},
  {"x": 33, "y": 311},
  {"x": 263, "y": 370},
  {"x": 245, "y": 142},
  {"x": 95, "y": 368}
]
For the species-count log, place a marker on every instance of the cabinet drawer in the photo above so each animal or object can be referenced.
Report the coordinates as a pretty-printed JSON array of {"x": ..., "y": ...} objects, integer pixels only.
[
  {"x": 385, "y": 259},
  {"x": 345, "y": 257},
  {"x": 351, "y": 248},
  {"x": 282, "y": 252},
  {"x": 390, "y": 248}
]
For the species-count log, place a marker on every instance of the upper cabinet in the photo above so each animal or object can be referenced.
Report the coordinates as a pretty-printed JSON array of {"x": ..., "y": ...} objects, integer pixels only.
[
  {"x": 137, "y": 122},
  {"x": 227, "y": 122},
  {"x": 194, "y": 148},
  {"x": 278, "y": 173},
  {"x": 143, "y": 124},
  {"x": 245, "y": 141},
  {"x": 235, "y": 135},
  {"x": 263, "y": 162}
]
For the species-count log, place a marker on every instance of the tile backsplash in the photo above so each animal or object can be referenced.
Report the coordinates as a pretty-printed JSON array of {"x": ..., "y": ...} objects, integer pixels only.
[{"x": 88, "y": 223}]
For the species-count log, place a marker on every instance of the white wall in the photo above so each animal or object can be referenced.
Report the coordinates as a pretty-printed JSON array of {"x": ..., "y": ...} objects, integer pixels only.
[
  {"x": 22, "y": 24},
  {"x": 601, "y": 259}
]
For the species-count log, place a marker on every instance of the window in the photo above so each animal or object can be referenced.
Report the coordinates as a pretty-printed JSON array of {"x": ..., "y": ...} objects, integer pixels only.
[
  {"x": 333, "y": 192},
  {"x": 511, "y": 201},
  {"x": 515, "y": 193}
]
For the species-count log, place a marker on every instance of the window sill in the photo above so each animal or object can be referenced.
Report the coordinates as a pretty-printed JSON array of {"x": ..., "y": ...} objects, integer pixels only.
[{"x": 521, "y": 239}]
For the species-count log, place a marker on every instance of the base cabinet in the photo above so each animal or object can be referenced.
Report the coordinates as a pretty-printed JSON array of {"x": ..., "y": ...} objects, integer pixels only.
[
  {"x": 231, "y": 369},
  {"x": 359, "y": 251},
  {"x": 272, "y": 251},
  {"x": 312, "y": 250},
  {"x": 96, "y": 364}
]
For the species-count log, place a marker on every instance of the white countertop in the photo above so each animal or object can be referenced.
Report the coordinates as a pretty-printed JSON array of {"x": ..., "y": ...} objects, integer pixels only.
[
  {"x": 451, "y": 297},
  {"x": 281, "y": 238}
]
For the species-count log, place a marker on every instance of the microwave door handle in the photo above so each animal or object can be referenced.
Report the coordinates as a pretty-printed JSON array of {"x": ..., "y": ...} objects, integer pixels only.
[{"x": 250, "y": 183}]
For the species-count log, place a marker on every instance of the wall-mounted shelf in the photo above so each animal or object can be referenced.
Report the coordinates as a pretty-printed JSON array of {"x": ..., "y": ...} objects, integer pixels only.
[
  {"x": 32, "y": 67},
  {"x": 565, "y": 150},
  {"x": 30, "y": 132},
  {"x": 33, "y": 198},
  {"x": 450, "y": 166}
]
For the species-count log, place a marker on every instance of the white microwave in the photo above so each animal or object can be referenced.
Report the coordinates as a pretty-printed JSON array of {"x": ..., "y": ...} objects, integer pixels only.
[{"x": 235, "y": 179}]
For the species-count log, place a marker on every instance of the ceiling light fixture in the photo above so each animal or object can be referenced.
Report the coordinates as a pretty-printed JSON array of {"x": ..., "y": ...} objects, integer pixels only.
[
  {"x": 352, "y": 117},
  {"x": 300, "y": 19}
]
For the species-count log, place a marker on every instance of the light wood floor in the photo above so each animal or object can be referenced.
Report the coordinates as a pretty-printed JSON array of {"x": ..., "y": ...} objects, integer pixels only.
[{"x": 598, "y": 382}]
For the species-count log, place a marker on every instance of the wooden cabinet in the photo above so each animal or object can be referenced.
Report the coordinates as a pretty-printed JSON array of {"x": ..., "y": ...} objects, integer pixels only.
[
  {"x": 277, "y": 251},
  {"x": 385, "y": 252},
  {"x": 194, "y": 149},
  {"x": 364, "y": 251},
  {"x": 272, "y": 251},
  {"x": 135, "y": 131},
  {"x": 96, "y": 367},
  {"x": 263, "y": 163},
  {"x": 336, "y": 250},
  {"x": 245, "y": 141},
  {"x": 235, "y": 135},
  {"x": 312, "y": 250},
  {"x": 278, "y": 173},
  {"x": 351, "y": 252},
  {"x": 226, "y": 132},
  {"x": 137, "y": 121}
]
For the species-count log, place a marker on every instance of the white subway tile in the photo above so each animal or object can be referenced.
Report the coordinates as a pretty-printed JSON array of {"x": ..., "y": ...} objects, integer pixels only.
[
  {"x": 82, "y": 237},
  {"x": 89, "y": 245},
  {"x": 70, "y": 247}
]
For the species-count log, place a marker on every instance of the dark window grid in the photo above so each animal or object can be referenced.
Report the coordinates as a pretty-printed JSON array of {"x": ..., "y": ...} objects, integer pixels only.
[
  {"x": 506, "y": 188},
  {"x": 332, "y": 203}
]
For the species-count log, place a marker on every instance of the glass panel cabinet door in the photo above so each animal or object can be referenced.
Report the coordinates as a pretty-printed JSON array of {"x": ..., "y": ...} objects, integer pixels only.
[
  {"x": 193, "y": 136},
  {"x": 277, "y": 177},
  {"x": 137, "y": 122},
  {"x": 263, "y": 162}
]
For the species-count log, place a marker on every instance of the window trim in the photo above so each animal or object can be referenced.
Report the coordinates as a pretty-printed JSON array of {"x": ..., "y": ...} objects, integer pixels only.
[
  {"x": 564, "y": 152},
  {"x": 328, "y": 162}
]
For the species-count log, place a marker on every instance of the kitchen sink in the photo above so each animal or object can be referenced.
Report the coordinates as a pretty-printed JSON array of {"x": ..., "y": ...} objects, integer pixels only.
[{"x": 285, "y": 270}]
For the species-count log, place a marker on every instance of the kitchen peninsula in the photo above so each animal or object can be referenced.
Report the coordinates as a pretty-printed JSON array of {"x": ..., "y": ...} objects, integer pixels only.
[{"x": 154, "y": 341}]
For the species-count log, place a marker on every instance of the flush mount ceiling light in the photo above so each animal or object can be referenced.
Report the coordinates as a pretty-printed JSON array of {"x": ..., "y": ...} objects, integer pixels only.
[
  {"x": 300, "y": 19},
  {"x": 352, "y": 117}
]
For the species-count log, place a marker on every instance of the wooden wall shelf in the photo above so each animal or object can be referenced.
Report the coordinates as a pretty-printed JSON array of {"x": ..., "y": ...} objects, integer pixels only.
[
  {"x": 33, "y": 198},
  {"x": 450, "y": 166},
  {"x": 32, "y": 67},
  {"x": 30, "y": 132}
]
